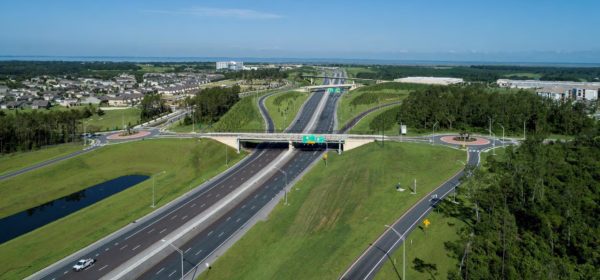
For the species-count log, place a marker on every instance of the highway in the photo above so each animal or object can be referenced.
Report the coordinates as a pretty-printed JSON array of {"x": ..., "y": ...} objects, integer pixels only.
[
  {"x": 118, "y": 248},
  {"x": 371, "y": 260},
  {"x": 208, "y": 240}
]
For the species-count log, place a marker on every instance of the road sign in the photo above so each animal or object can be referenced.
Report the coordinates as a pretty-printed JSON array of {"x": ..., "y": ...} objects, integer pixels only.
[
  {"x": 426, "y": 222},
  {"x": 311, "y": 139},
  {"x": 403, "y": 129}
]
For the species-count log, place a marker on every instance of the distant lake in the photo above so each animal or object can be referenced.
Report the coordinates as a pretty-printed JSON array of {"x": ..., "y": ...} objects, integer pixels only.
[{"x": 33, "y": 218}]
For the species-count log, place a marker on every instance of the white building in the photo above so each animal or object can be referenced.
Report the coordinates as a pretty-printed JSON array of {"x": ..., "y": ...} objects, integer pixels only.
[
  {"x": 230, "y": 65},
  {"x": 430, "y": 80},
  {"x": 563, "y": 93}
]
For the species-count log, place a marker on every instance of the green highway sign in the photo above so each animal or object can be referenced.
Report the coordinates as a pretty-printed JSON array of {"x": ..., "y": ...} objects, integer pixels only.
[{"x": 312, "y": 139}]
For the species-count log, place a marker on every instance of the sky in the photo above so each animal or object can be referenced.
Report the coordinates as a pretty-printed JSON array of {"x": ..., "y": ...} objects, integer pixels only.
[{"x": 461, "y": 30}]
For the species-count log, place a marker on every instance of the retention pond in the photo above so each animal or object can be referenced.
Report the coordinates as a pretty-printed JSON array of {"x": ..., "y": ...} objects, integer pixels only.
[{"x": 33, "y": 218}]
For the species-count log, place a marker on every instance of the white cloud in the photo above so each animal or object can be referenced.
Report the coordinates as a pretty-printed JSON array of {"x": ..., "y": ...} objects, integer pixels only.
[{"x": 219, "y": 12}]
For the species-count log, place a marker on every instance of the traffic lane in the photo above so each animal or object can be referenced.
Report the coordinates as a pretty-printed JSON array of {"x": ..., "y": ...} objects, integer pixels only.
[
  {"x": 164, "y": 225},
  {"x": 205, "y": 242},
  {"x": 371, "y": 261},
  {"x": 307, "y": 113}
]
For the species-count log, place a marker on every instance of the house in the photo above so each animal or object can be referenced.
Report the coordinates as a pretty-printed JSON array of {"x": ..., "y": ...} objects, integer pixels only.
[
  {"x": 40, "y": 104},
  {"x": 90, "y": 100},
  {"x": 69, "y": 102},
  {"x": 13, "y": 105}
]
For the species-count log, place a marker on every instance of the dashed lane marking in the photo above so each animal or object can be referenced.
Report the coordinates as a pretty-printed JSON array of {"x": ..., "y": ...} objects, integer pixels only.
[
  {"x": 161, "y": 270},
  {"x": 221, "y": 234},
  {"x": 198, "y": 253},
  {"x": 171, "y": 274},
  {"x": 150, "y": 231},
  {"x": 202, "y": 205},
  {"x": 187, "y": 250},
  {"x": 193, "y": 205},
  {"x": 138, "y": 246},
  {"x": 173, "y": 217},
  {"x": 228, "y": 218},
  {"x": 105, "y": 266},
  {"x": 184, "y": 217},
  {"x": 238, "y": 220},
  {"x": 163, "y": 230},
  {"x": 123, "y": 247},
  {"x": 209, "y": 233}
]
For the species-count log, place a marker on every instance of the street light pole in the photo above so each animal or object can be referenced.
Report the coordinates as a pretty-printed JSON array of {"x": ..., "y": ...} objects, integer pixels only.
[
  {"x": 389, "y": 258},
  {"x": 154, "y": 187},
  {"x": 502, "y": 134},
  {"x": 403, "y": 250},
  {"x": 490, "y": 127},
  {"x": 433, "y": 133},
  {"x": 286, "y": 183},
  {"x": 179, "y": 251}
]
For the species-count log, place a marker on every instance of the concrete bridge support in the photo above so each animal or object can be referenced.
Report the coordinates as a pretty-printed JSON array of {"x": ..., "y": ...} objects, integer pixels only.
[
  {"x": 290, "y": 145},
  {"x": 230, "y": 141},
  {"x": 355, "y": 143}
]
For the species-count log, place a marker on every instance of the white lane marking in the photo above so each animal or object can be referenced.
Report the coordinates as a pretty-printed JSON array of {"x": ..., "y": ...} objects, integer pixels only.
[
  {"x": 184, "y": 217},
  {"x": 138, "y": 246},
  {"x": 161, "y": 270},
  {"x": 228, "y": 218},
  {"x": 209, "y": 195},
  {"x": 116, "y": 243},
  {"x": 173, "y": 217},
  {"x": 242, "y": 179},
  {"x": 106, "y": 249},
  {"x": 231, "y": 186},
  {"x": 105, "y": 266},
  {"x": 123, "y": 247},
  {"x": 187, "y": 250},
  {"x": 150, "y": 231},
  {"x": 255, "y": 196},
  {"x": 163, "y": 230},
  {"x": 66, "y": 271},
  {"x": 171, "y": 274},
  {"x": 202, "y": 205},
  {"x": 253, "y": 206},
  {"x": 198, "y": 253},
  {"x": 243, "y": 206},
  {"x": 238, "y": 220},
  {"x": 184, "y": 204},
  {"x": 275, "y": 179},
  {"x": 221, "y": 234},
  {"x": 193, "y": 205},
  {"x": 217, "y": 195},
  {"x": 209, "y": 233}
]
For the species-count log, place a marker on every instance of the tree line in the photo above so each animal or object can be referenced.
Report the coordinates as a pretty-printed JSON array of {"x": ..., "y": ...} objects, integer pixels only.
[
  {"x": 24, "y": 131},
  {"x": 474, "y": 107},
  {"x": 533, "y": 214},
  {"x": 210, "y": 104},
  {"x": 260, "y": 74},
  {"x": 152, "y": 105}
]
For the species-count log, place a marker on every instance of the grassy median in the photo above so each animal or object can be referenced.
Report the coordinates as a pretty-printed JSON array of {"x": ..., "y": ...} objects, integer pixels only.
[
  {"x": 186, "y": 162},
  {"x": 16, "y": 161},
  {"x": 336, "y": 211},
  {"x": 283, "y": 107}
]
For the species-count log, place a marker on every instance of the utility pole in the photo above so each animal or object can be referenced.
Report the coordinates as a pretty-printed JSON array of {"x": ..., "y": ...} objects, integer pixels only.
[
  {"x": 433, "y": 133},
  {"x": 415, "y": 186},
  {"x": 389, "y": 258}
]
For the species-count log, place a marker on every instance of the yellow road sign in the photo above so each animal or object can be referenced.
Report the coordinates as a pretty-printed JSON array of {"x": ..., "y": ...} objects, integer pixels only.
[{"x": 426, "y": 222}]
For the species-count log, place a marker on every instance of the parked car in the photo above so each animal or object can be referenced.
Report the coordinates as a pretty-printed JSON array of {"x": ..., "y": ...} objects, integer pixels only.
[{"x": 83, "y": 264}]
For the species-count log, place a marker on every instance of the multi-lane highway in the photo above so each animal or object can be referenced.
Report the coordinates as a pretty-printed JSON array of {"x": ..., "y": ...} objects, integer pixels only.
[{"x": 126, "y": 244}]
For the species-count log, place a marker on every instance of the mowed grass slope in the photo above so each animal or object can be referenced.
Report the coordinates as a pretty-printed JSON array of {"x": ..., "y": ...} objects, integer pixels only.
[
  {"x": 357, "y": 101},
  {"x": 243, "y": 116},
  {"x": 19, "y": 160},
  {"x": 335, "y": 212},
  {"x": 187, "y": 162},
  {"x": 364, "y": 125},
  {"x": 283, "y": 107}
]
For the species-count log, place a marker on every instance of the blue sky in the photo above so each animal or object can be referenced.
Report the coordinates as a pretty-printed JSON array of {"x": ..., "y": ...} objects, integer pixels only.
[{"x": 508, "y": 30}]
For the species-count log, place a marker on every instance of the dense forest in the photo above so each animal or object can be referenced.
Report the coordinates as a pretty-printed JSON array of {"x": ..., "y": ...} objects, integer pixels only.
[
  {"x": 260, "y": 74},
  {"x": 152, "y": 105},
  {"x": 533, "y": 214},
  {"x": 483, "y": 73},
  {"x": 23, "y": 131},
  {"x": 21, "y": 70},
  {"x": 472, "y": 107},
  {"x": 211, "y": 103}
]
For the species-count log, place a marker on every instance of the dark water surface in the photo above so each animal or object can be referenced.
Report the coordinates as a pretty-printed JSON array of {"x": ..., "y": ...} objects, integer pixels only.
[{"x": 33, "y": 218}]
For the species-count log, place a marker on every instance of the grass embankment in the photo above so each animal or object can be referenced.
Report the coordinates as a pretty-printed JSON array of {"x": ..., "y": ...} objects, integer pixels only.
[
  {"x": 186, "y": 162},
  {"x": 283, "y": 107},
  {"x": 364, "y": 98},
  {"x": 243, "y": 116},
  {"x": 364, "y": 125},
  {"x": 113, "y": 119},
  {"x": 16, "y": 161},
  {"x": 428, "y": 244},
  {"x": 352, "y": 71},
  {"x": 336, "y": 211}
]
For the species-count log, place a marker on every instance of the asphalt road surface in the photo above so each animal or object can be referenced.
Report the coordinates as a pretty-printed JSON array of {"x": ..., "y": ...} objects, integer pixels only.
[
  {"x": 208, "y": 240},
  {"x": 367, "y": 265},
  {"x": 123, "y": 246}
]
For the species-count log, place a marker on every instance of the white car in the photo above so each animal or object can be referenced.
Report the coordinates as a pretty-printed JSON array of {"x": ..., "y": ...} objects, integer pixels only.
[{"x": 83, "y": 264}]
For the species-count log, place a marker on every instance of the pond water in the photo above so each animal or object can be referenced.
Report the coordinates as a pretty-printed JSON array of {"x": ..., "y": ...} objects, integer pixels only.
[{"x": 33, "y": 218}]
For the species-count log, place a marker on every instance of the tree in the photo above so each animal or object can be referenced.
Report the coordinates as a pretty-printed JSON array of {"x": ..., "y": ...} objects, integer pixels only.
[{"x": 424, "y": 267}]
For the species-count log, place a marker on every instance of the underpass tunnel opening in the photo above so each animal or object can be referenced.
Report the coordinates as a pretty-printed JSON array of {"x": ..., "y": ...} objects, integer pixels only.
[
  {"x": 257, "y": 145},
  {"x": 318, "y": 146}
]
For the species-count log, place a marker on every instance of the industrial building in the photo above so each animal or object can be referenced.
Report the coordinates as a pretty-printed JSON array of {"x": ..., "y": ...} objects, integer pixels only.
[{"x": 230, "y": 65}]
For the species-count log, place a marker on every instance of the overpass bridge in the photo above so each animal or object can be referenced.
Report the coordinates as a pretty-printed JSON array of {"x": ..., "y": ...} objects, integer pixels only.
[
  {"x": 344, "y": 142},
  {"x": 344, "y": 86}
]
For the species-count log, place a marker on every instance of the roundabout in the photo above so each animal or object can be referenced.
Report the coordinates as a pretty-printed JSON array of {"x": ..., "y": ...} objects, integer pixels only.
[
  {"x": 136, "y": 135},
  {"x": 473, "y": 141}
]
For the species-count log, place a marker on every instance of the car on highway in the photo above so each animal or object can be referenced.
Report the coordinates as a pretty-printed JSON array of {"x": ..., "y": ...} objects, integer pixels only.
[{"x": 83, "y": 264}]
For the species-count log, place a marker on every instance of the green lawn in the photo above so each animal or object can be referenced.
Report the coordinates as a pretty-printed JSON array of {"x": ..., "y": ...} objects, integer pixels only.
[
  {"x": 113, "y": 119},
  {"x": 364, "y": 98},
  {"x": 352, "y": 71},
  {"x": 283, "y": 107},
  {"x": 15, "y": 161},
  {"x": 187, "y": 162},
  {"x": 335, "y": 212},
  {"x": 362, "y": 127},
  {"x": 427, "y": 245}
]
